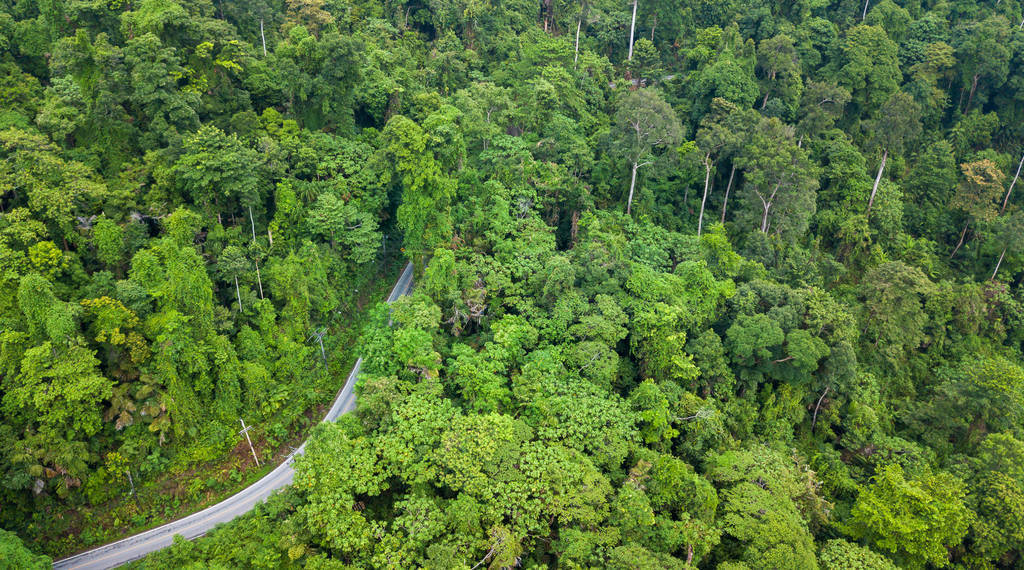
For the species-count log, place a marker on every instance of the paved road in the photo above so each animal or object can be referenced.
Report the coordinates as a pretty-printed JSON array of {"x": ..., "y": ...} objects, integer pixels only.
[{"x": 134, "y": 547}]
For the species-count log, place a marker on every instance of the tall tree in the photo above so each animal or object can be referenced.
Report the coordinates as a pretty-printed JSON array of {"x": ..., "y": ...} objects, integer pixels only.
[
  {"x": 820, "y": 106},
  {"x": 338, "y": 221},
  {"x": 779, "y": 64},
  {"x": 156, "y": 99},
  {"x": 898, "y": 122},
  {"x": 780, "y": 180},
  {"x": 722, "y": 135},
  {"x": 983, "y": 52},
  {"x": 230, "y": 264},
  {"x": 916, "y": 519},
  {"x": 978, "y": 195},
  {"x": 645, "y": 125},
  {"x": 425, "y": 212},
  {"x": 869, "y": 67},
  {"x": 219, "y": 172}
]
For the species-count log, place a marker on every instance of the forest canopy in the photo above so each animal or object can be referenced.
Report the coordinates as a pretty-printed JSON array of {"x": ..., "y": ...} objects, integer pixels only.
[{"x": 721, "y": 284}]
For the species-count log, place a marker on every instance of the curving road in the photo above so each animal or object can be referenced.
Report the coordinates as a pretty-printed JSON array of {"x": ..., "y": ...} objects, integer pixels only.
[{"x": 197, "y": 524}]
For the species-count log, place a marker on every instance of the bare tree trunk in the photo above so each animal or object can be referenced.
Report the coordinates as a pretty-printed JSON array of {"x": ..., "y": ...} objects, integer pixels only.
[
  {"x": 768, "y": 206},
  {"x": 878, "y": 179},
  {"x": 579, "y": 25},
  {"x": 258, "y": 278},
  {"x": 654, "y": 25},
  {"x": 237, "y": 292},
  {"x": 998, "y": 263},
  {"x": 974, "y": 87},
  {"x": 632, "y": 186},
  {"x": 961, "y": 242},
  {"x": 632, "y": 28},
  {"x": 728, "y": 187},
  {"x": 253, "y": 222},
  {"x": 1012, "y": 184},
  {"x": 264, "y": 38},
  {"x": 707, "y": 181},
  {"x": 865, "y": 14},
  {"x": 764, "y": 102},
  {"x": 816, "y": 407}
]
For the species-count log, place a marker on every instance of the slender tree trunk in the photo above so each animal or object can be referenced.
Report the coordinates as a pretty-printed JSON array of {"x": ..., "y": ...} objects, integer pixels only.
[
  {"x": 1006, "y": 200},
  {"x": 865, "y": 14},
  {"x": 707, "y": 181},
  {"x": 264, "y": 38},
  {"x": 632, "y": 186},
  {"x": 998, "y": 263},
  {"x": 768, "y": 206},
  {"x": 253, "y": 222},
  {"x": 878, "y": 179},
  {"x": 961, "y": 101},
  {"x": 728, "y": 187},
  {"x": 259, "y": 279},
  {"x": 814, "y": 420},
  {"x": 961, "y": 242},
  {"x": 632, "y": 28},
  {"x": 764, "y": 102},
  {"x": 237, "y": 292},
  {"x": 974, "y": 87},
  {"x": 579, "y": 26},
  {"x": 653, "y": 26}
]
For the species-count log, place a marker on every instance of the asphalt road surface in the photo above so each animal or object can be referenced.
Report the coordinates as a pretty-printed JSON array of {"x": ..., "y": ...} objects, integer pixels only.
[{"x": 137, "y": 546}]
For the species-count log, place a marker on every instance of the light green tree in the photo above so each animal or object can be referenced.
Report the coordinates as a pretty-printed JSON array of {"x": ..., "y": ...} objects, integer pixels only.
[
  {"x": 425, "y": 212},
  {"x": 645, "y": 127},
  {"x": 917, "y": 520}
]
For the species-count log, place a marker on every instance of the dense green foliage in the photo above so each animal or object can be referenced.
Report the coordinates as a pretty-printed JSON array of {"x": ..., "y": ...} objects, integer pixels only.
[
  {"x": 15, "y": 555},
  {"x": 744, "y": 294},
  {"x": 169, "y": 240}
]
